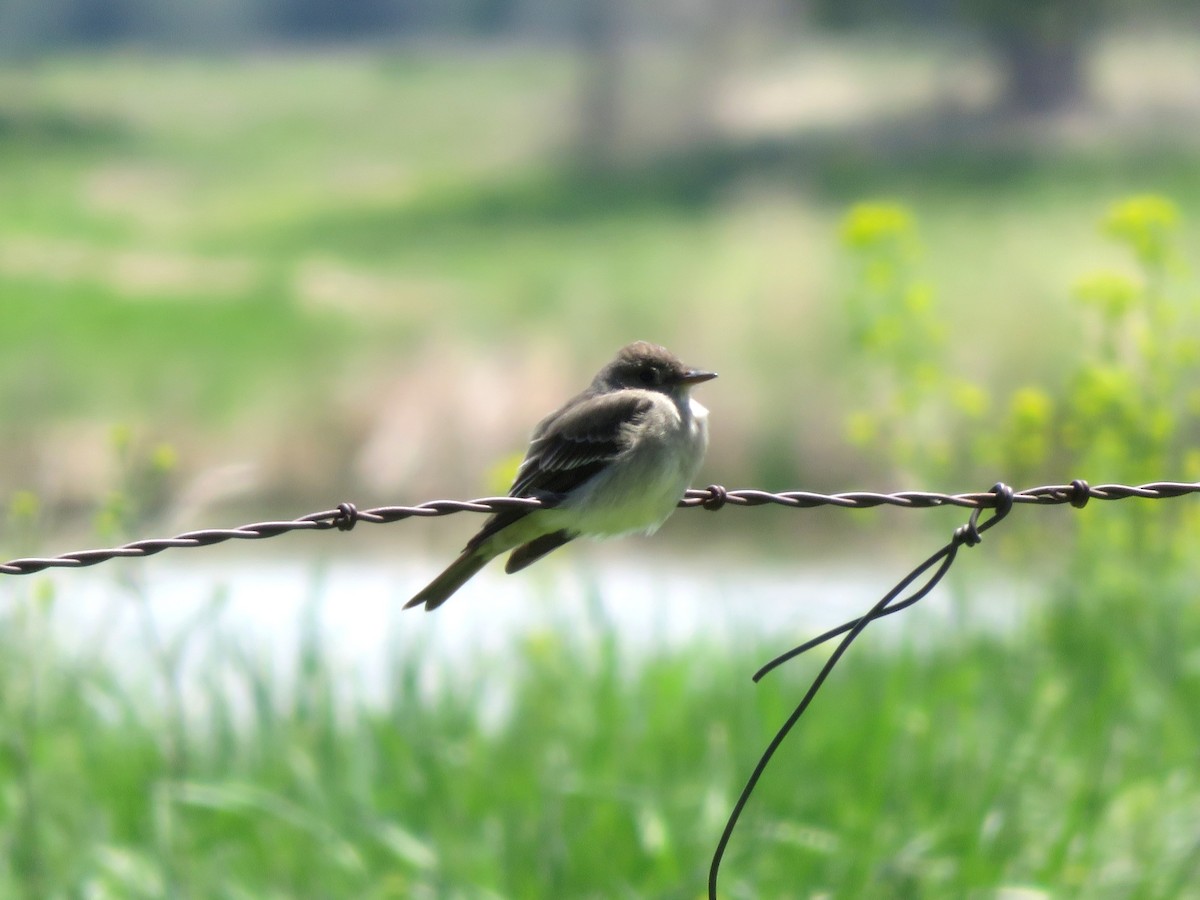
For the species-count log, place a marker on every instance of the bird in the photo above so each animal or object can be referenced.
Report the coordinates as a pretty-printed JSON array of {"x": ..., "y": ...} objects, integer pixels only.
[{"x": 613, "y": 460}]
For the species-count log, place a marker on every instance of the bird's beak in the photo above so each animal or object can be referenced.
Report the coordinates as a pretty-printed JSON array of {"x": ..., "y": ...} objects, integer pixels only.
[{"x": 695, "y": 376}]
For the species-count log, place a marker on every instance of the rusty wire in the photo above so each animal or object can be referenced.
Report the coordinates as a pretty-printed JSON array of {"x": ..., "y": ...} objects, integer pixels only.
[{"x": 714, "y": 497}]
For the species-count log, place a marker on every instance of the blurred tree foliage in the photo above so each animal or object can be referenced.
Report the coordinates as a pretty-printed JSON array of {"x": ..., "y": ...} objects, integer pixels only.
[
  {"x": 1041, "y": 45},
  {"x": 1041, "y": 42},
  {"x": 695, "y": 32},
  {"x": 36, "y": 25}
]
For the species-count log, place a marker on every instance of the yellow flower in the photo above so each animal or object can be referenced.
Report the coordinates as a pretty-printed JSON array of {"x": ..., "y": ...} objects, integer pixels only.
[
  {"x": 1146, "y": 223},
  {"x": 970, "y": 398},
  {"x": 163, "y": 458},
  {"x": 1030, "y": 407},
  {"x": 871, "y": 225},
  {"x": 1113, "y": 293}
]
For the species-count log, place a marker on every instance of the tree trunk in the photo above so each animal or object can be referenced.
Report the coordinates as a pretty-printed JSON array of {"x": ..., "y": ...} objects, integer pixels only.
[
  {"x": 600, "y": 89},
  {"x": 1043, "y": 74}
]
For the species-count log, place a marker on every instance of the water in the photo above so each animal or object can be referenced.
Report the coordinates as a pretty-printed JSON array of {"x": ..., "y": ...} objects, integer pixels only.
[{"x": 263, "y": 608}]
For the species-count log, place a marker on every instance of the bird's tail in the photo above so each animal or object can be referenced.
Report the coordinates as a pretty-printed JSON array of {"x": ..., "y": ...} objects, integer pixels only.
[{"x": 456, "y": 575}]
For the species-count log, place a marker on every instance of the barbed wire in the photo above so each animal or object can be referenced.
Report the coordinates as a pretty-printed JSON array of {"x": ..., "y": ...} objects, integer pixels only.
[{"x": 345, "y": 516}]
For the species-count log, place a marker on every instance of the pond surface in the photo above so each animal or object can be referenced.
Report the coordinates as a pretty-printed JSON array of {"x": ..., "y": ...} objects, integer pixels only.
[{"x": 263, "y": 610}]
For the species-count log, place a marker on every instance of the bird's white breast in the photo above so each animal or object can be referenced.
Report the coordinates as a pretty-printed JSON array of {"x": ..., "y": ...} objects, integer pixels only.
[{"x": 639, "y": 490}]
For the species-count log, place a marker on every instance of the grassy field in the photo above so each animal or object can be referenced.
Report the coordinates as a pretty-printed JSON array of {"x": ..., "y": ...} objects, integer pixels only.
[
  {"x": 1058, "y": 760},
  {"x": 321, "y": 265}
]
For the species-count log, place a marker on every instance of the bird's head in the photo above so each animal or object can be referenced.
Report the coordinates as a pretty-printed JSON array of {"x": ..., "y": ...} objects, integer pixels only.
[{"x": 649, "y": 367}]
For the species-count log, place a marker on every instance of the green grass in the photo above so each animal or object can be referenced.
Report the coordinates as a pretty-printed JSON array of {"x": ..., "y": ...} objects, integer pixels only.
[
  {"x": 190, "y": 361},
  {"x": 1060, "y": 757}
]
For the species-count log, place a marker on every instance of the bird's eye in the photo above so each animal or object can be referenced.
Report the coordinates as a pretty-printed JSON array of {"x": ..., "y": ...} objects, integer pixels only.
[{"x": 647, "y": 376}]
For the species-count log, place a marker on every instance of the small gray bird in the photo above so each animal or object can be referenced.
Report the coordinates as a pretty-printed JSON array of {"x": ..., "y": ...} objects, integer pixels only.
[{"x": 615, "y": 459}]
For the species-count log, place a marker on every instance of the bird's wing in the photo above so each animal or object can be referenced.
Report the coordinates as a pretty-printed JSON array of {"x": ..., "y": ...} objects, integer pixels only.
[
  {"x": 569, "y": 447},
  {"x": 575, "y": 443}
]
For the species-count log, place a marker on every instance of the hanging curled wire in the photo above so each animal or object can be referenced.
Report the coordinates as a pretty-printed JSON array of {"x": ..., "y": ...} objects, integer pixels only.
[{"x": 967, "y": 535}]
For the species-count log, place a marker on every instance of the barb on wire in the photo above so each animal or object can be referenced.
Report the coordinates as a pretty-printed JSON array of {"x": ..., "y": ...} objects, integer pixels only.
[
  {"x": 714, "y": 497},
  {"x": 1002, "y": 498}
]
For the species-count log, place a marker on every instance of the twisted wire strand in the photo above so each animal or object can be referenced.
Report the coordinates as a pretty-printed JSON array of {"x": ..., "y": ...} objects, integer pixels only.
[{"x": 714, "y": 497}]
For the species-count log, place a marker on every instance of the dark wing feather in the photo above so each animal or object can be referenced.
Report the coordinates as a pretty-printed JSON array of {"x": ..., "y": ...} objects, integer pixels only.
[
  {"x": 578, "y": 441},
  {"x": 528, "y": 554},
  {"x": 569, "y": 447}
]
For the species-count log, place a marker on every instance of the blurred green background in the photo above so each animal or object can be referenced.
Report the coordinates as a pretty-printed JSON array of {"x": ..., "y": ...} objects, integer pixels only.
[{"x": 257, "y": 258}]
